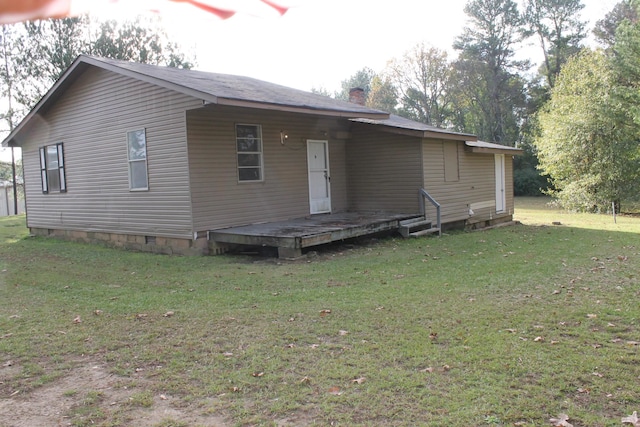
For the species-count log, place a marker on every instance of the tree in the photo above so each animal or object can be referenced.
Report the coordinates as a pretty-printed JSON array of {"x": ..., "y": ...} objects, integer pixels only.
[
  {"x": 491, "y": 98},
  {"x": 626, "y": 62},
  {"x": 423, "y": 78},
  {"x": 142, "y": 40},
  {"x": 49, "y": 47},
  {"x": 588, "y": 143},
  {"x": 559, "y": 30},
  {"x": 362, "y": 79},
  {"x": 605, "y": 29},
  {"x": 383, "y": 94}
]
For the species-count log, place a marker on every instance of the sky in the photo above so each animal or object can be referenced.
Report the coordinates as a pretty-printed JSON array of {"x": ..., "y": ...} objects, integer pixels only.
[{"x": 319, "y": 43}]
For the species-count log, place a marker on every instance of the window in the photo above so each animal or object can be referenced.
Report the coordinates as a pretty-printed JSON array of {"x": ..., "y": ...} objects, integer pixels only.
[
  {"x": 137, "y": 148},
  {"x": 52, "y": 169},
  {"x": 249, "y": 148},
  {"x": 451, "y": 167}
]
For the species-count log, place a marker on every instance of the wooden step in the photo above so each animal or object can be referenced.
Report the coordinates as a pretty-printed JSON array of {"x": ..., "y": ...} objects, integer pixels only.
[
  {"x": 431, "y": 230},
  {"x": 414, "y": 226}
]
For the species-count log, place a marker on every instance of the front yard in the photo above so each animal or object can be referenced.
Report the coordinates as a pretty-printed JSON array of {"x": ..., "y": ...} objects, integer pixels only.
[{"x": 510, "y": 326}]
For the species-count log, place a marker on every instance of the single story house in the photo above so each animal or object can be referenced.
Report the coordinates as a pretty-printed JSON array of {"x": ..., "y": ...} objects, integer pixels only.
[{"x": 165, "y": 159}]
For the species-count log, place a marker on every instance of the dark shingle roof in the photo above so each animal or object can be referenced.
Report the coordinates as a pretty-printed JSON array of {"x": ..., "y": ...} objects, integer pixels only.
[
  {"x": 227, "y": 89},
  {"x": 212, "y": 88},
  {"x": 420, "y": 129}
]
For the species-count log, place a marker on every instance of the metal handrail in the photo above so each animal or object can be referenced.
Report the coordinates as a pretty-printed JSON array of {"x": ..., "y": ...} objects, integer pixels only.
[{"x": 425, "y": 195}]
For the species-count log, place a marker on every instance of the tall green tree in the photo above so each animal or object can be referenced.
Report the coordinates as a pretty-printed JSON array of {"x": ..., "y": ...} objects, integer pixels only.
[
  {"x": 360, "y": 79},
  {"x": 557, "y": 26},
  {"x": 588, "y": 142},
  {"x": 141, "y": 40},
  {"x": 605, "y": 29},
  {"x": 49, "y": 47},
  {"x": 491, "y": 99},
  {"x": 422, "y": 77},
  {"x": 383, "y": 95},
  {"x": 9, "y": 51}
]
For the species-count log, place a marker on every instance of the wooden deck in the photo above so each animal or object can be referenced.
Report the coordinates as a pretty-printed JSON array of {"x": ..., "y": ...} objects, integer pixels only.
[{"x": 291, "y": 236}]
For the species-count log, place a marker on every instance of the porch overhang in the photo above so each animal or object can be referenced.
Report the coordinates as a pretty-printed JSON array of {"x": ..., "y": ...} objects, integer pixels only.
[{"x": 481, "y": 147}]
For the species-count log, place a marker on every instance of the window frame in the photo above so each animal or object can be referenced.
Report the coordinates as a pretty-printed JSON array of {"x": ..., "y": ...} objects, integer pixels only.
[
  {"x": 131, "y": 161},
  {"x": 259, "y": 153},
  {"x": 46, "y": 168}
]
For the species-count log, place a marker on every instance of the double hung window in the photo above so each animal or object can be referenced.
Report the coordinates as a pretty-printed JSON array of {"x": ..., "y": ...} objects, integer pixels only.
[
  {"x": 137, "y": 149},
  {"x": 52, "y": 169},
  {"x": 249, "y": 152}
]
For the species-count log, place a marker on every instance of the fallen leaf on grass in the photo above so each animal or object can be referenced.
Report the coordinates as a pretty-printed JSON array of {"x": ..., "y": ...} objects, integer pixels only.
[
  {"x": 513, "y": 331},
  {"x": 168, "y": 314},
  {"x": 622, "y": 258},
  {"x": 291, "y": 345},
  {"x": 5, "y": 336},
  {"x": 163, "y": 397},
  {"x": 556, "y": 292},
  {"x": 538, "y": 339},
  {"x": 561, "y": 421},
  {"x": 227, "y": 354},
  {"x": 597, "y": 374},
  {"x": 305, "y": 380},
  {"x": 633, "y": 343},
  {"x": 77, "y": 319},
  {"x": 257, "y": 374},
  {"x": 7, "y": 364},
  {"x": 429, "y": 369},
  {"x": 433, "y": 336},
  {"x": 632, "y": 419},
  {"x": 97, "y": 312},
  {"x": 325, "y": 312},
  {"x": 343, "y": 332},
  {"x": 359, "y": 380},
  {"x": 335, "y": 391},
  {"x": 141, "y": 315},
  {"x": 446, "y": 368},
  {"x": 592, "y": 316}
]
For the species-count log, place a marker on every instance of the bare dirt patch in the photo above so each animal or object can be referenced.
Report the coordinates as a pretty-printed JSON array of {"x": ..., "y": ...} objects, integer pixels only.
[{"x": 88, "y": 395}]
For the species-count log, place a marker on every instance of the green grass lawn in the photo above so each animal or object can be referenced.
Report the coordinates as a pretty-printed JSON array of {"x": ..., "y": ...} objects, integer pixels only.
[{"x": 503, "y": 327}]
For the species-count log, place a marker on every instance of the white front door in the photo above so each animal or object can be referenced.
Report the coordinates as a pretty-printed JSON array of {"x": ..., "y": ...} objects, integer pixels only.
[
  {"x": 319, "y": 178},
  {"x": 500, "y": 191}
]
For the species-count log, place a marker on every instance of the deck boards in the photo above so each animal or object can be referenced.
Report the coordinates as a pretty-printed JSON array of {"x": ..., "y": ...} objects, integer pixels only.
[{"x": 291, "y": 236}]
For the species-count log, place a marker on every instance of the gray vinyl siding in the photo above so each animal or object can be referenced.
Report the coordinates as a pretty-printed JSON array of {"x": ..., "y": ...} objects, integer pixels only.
[
  {"x": 92, "y": 118},
  {"x": 476, "y": 183},
  {"x": 384, "y": 171},
  {"x": 220, "y": 201}
]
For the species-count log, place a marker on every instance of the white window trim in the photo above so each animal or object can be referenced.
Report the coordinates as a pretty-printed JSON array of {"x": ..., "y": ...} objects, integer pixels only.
[
  {"x": 259, "y": 153},
  {"x": 146, "y": 161}
]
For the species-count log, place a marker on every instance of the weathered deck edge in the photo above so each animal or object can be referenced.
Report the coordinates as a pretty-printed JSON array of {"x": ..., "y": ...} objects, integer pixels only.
[{"x": 290, "y": 237}]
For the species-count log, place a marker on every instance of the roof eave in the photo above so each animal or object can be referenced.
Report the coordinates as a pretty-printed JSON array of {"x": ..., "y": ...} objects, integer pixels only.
[
  {"x": 449, "y": 136},
  {"x": 484, "y": 150},
  {"x": 302, "y": 109}
]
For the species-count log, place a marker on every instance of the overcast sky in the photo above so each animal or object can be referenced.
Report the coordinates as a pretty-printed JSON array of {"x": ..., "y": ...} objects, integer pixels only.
[{"x": 319, "y": 43}]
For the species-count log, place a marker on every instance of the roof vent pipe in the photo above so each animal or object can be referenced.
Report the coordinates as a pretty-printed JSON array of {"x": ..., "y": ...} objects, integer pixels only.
[{"x": 356, "y": 96}]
